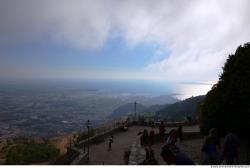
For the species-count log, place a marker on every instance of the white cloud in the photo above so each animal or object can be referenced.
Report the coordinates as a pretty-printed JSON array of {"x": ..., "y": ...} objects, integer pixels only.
[
  {"x": 198, "y": 33},
  {"x": 81, "y": 24}
]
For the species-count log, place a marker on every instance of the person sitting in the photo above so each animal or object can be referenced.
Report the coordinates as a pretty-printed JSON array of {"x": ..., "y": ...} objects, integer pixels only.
[
  {"x": 174, "y": 157},
  {"x": 124, "y": 127}
]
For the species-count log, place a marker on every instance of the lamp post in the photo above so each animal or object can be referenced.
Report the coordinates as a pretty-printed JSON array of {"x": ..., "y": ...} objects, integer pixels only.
[
  {"x": 88, "y": 126},
  {"x": 135, "y": 110}
]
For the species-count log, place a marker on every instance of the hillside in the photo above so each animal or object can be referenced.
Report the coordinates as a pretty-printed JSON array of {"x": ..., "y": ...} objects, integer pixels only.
[
  {"x": 182, "y": 109},
  {"x": 129, "y": 109},
  {"x": 158, "y": 100},
  {"x": 126, "y": 109},
  {"x": 144, "y": 105},
  {"x": 155, "y": 108}
]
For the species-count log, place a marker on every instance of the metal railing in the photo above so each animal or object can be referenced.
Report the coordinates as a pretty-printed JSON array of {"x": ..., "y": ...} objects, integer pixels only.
[
  {"x": 99, "y": 130},
  {"x": 102, "y": 129}
]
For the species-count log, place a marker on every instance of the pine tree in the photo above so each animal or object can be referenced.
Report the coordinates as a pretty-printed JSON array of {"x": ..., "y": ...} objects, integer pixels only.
[{"x": 227, "y": 104}]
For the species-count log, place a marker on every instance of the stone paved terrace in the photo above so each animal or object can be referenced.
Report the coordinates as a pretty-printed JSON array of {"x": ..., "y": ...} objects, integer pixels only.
[
  {"x": 192, "y": 147},
  {"x": 122, "y": 141}
]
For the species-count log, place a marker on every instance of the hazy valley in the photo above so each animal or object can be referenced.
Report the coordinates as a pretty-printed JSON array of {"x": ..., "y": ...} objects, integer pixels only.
[{"x": 52, "y": 110}]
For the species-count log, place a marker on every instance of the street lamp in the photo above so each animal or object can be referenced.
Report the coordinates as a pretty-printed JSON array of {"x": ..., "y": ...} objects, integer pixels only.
[
  {"x": 88, "y": 126},
  {"x": 135, "y": 110}
]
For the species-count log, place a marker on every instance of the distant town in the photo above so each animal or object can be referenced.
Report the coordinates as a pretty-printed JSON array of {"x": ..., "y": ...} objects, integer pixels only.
[{"x": 46, "y": 111}]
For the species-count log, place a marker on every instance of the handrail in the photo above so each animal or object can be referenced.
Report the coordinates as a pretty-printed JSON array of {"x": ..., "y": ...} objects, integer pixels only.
[{"x": 104, "y": 128}]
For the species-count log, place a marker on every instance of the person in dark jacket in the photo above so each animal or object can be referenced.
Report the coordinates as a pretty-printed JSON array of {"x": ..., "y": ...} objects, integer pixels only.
[
  {"x": 180, "y": 133},
  {"x": 152, "y": 136},
  {"x": 231, "y": 148},
  {"x": 144, "y": 138},
  {"x": 162, "y": 128},
  {"x": 211, "y": 148},
  {"x": 175, "y": 158},
  {"x": 111, "y": 140}
]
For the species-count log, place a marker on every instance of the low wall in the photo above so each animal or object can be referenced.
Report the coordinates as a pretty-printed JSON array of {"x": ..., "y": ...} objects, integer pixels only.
[
  {"x": 137, "y": 153},
  {"x": 175, "y": 124},
  {"x": 78, "y": 154},
  {"x": 96, "y": 138}
]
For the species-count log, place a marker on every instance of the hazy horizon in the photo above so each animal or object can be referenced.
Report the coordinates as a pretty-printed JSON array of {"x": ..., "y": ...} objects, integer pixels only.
[
  {"x": 131, "y": 87},
  {"x": 181, "y": 43}
]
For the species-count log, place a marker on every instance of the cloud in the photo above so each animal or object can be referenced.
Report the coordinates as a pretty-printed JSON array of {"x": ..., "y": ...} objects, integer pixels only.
[
  {"x": 198, "y": 34},
  {"x": 80, "y": 24}
]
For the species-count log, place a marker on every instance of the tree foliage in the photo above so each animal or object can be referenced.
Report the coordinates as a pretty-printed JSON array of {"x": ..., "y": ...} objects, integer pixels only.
[
  {"x": 31, "y": 152},
  {"x": 227, "y": 104}
]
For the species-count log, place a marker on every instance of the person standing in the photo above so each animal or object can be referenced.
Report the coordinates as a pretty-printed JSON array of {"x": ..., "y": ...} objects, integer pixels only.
[
  {"x": 152, "y": 136},
  {"x": 162, "y": 130},
  {"x": 211, "y": 148},
  {"x": 110, "y": 142},
  {"x": 231, "y": 148},
  {"x": 180, "y": 133},
  {"x": 144, "y": 138}
]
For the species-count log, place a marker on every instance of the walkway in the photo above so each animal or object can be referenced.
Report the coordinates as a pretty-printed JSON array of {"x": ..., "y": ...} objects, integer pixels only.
[
  {"x": 192, "y": 147},
  {"x": 122, "y": 141}
]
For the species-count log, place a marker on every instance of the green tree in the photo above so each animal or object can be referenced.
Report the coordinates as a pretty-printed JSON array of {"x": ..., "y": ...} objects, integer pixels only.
[
  {"x": 227, "y": 104},
  {"x": 31, "y": 152}
]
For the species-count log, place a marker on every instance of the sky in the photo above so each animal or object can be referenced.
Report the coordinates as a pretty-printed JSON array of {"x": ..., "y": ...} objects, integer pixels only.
[{"x": 185, "y": 42}]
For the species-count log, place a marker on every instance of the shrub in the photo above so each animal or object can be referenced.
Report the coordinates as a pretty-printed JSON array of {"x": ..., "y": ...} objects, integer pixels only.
[{"x": 31, "y": 152}]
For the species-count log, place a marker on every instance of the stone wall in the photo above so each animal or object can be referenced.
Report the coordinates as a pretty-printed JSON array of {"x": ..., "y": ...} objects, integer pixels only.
[
  {"x": 137, "y": 153},
  {"x": 77, "y": 155}
]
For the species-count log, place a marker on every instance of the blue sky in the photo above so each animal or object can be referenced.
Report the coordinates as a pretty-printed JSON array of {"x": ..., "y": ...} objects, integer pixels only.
[
  {"x": 114, "y": 55},
  {"x": 182, "y": 42}
]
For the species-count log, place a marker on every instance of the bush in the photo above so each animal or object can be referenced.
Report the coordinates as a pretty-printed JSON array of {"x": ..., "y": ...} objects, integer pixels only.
[{"x": 31, "y": 152}]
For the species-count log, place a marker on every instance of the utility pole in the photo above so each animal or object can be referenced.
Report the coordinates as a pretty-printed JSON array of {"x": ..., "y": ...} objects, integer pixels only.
[
  {"x": 88, "y": 126},
  {"x": 135, "y": 110}
]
